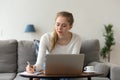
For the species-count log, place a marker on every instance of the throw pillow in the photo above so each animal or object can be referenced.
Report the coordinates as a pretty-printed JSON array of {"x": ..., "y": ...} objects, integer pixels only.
[{"x": 36, "y": 44}]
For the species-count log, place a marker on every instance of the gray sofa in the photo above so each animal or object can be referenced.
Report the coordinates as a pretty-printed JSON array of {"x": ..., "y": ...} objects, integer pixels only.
[{"x": 14, "y": 55}]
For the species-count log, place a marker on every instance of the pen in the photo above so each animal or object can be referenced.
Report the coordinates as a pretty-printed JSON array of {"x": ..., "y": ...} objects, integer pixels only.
[{"x": 28, "y": 63}]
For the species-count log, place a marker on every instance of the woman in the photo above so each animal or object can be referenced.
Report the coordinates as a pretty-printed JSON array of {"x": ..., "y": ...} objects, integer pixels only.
[{"x": 61, "y": 40}]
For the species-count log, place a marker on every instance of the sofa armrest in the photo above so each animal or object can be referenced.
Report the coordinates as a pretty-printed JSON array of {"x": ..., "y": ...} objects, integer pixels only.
[{"x": 114, "y": 71}]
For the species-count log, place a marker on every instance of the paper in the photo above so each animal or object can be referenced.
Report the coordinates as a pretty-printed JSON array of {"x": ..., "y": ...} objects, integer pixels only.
[{"x": 26, "y": 73}]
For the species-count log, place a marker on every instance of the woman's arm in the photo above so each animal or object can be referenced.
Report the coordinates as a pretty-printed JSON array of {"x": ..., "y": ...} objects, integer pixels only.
[
  {"x": 42, "y": 52},
  {"x": 77, "y": 45}
]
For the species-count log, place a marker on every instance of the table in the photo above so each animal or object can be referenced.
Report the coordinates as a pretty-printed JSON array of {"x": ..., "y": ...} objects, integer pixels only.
[{"x": 82, "y": 75}]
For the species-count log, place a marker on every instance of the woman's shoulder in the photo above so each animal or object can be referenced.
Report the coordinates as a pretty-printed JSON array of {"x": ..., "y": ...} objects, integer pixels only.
[
  {"x": 76, "y": 38},
  {"x": 46, "y": 35},
  {"x": 75, "y": 35}
]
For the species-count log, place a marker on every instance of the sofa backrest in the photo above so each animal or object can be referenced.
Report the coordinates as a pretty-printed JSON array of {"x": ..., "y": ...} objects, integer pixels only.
[
  {"x": 8, "y": 55},
  {"x": 14, "y": 54},
  {"x": 91, "y": 50},
  {"x": 26, "y": 52}
]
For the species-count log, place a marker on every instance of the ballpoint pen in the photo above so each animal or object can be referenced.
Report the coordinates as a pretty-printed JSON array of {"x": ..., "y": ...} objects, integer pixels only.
[{"x": 29, "y": 64}]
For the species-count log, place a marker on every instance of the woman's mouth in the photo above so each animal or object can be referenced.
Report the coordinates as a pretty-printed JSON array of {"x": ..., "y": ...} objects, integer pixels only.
[{"x": 60, "y": 32}]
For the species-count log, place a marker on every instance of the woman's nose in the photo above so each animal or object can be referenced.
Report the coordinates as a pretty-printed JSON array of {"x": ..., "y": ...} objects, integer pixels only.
[{"x": 60, "y": 27}]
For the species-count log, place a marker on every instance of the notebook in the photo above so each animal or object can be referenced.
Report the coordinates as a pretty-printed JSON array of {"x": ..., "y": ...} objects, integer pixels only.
[{"x": 66, "y": 64}]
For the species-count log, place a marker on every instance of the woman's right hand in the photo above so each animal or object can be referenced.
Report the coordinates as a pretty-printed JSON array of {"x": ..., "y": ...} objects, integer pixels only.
[{"x": 30, "y": 68}]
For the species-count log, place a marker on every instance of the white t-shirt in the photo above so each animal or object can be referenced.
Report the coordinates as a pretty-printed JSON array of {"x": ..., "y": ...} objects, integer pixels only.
[{"x": 73, "y": 47}]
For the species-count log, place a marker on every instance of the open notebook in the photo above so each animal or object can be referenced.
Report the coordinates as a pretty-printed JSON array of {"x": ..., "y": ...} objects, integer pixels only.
[{"x": 64, "y": 63}]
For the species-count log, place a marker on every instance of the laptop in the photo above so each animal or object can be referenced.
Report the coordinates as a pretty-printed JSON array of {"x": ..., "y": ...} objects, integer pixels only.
[{"x": 64, "y": 64}]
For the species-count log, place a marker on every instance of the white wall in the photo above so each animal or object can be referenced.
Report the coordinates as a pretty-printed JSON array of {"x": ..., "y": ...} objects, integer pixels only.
[{"x": 90, "y": 17}]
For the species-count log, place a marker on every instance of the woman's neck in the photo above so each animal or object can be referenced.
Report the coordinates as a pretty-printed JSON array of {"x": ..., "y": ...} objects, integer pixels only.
[{"x": 64, "y": 40}]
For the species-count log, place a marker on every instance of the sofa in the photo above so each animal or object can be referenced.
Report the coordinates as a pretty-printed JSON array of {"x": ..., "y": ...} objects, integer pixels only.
[{"x": 15, "y": 53}]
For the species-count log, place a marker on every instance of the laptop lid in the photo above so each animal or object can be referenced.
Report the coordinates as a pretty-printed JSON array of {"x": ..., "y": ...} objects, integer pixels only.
[{"x": 64, "y": 63}]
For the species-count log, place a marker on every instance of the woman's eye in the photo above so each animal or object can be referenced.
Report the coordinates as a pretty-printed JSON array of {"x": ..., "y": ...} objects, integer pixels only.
[
  {"x": 64, "y": 25},
  {"x": 57, "y": 24}
]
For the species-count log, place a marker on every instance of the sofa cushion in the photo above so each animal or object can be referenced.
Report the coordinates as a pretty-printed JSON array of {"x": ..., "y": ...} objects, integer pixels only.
[
  {"x": 7, "y": 76},
  {"x": 18, "y": 77},
  {"x": 91, "y": 50},
  {"x": 26, "y": 52},
  {"x": 8, "y": 55},
  {"x": 94, "y": 78},
  {"x": 100, "y": 78}
]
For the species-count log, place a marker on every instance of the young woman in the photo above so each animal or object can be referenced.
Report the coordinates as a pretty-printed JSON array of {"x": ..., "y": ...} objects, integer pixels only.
[{"x": 61, "y": 40}]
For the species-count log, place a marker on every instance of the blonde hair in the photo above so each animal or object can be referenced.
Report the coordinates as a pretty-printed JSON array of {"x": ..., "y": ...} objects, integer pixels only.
[{"x": 69, "y": 18}]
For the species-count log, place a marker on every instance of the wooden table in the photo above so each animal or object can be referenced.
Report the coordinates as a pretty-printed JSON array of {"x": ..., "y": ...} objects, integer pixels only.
[{"x": 82, "y": 75}]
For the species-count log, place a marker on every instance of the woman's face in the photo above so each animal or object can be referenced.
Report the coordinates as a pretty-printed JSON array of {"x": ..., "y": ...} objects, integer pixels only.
[{"x": 62, "y": 26}]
